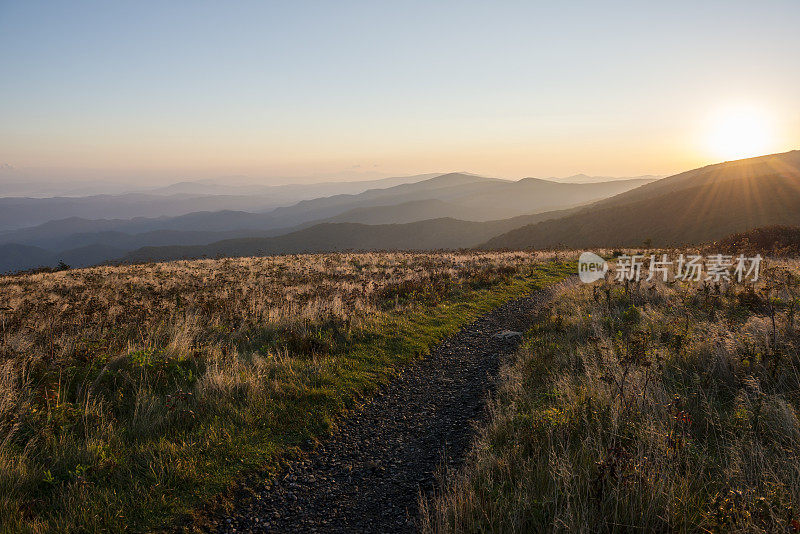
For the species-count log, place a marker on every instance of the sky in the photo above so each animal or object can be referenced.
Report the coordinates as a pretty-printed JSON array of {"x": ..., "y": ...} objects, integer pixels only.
[{"x": 270, "y": 90}]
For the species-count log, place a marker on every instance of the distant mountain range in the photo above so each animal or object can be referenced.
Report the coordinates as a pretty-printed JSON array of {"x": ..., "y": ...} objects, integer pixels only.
[
  {"x": 466, "y": 197},
  {"x": 450, "y": 211},
  {"x": 178, "y": 199},
  {"x": 586, "y": 179}
]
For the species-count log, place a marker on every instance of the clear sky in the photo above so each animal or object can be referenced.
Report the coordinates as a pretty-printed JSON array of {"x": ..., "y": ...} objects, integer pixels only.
[{"x": 274, "y": 89}]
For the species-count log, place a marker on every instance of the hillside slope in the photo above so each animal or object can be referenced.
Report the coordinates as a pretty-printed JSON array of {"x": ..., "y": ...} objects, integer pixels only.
[
  {"x": 415, "y": 210},
  {"x": 693, "y": 207},
  {"x": 94, "y": 248},
  {"x": 443, "y": 233}
]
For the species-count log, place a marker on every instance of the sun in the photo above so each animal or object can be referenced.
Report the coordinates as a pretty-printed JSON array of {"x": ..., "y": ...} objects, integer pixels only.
[{"x": 740, "y": 132}]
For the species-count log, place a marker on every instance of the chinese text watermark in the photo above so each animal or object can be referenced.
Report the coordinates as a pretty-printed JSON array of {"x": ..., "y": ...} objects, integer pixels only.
[{"x": 686, "y": 267}]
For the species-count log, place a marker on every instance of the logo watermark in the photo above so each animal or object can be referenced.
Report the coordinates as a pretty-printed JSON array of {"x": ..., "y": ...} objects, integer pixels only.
[
  {"x": 591, "y": 267},
  {"x": 689, "y": 268}
]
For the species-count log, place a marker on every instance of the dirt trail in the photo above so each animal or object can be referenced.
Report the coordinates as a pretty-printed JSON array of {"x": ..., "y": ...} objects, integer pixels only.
[{"x": 367, "y": 477}]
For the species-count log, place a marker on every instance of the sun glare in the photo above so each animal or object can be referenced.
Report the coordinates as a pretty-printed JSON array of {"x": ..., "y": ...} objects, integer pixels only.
[{"x": 740, "y": 133}]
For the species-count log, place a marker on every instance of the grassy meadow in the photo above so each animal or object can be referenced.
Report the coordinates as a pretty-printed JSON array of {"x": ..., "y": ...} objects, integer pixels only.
[
  {"x": 649, "y": 407},
  {"x": 130, "y": 395}
]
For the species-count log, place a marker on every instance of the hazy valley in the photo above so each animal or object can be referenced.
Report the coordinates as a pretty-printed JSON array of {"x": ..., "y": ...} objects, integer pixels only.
[{"x": 446, "y": 212}]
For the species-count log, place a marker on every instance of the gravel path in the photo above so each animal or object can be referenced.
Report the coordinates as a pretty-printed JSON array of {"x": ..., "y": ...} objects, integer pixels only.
[{"x": 368, "y": 476}]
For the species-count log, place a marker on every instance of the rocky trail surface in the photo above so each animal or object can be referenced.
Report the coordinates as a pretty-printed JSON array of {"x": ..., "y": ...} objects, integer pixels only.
[{"x": 368, "y": 476}]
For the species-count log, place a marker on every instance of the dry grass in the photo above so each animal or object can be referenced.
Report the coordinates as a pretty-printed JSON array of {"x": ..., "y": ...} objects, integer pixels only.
[
  {"x": 128, "y": 394},
  {"x": 646, "y": 408}
]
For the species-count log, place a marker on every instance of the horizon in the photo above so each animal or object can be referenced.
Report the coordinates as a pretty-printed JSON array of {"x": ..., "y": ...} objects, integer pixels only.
[
  {"x": 357, "y": 91},
  {"x": 134, "y": 182},
  {"x": 12, "y": 175}
]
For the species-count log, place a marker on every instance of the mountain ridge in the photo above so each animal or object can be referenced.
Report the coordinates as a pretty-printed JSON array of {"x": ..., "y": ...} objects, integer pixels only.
[{"x": 692, "y": 207}]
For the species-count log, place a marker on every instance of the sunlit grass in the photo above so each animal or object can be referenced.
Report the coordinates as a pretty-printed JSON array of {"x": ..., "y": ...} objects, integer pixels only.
[
  {"x": 129, "y": 395},
  {"x": 644, "y": 408}
]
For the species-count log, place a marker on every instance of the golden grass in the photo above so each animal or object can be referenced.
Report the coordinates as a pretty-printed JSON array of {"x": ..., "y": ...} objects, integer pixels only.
[
  {"x": 128, "y": 394},
  {"x": 643, "y": 408}
]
